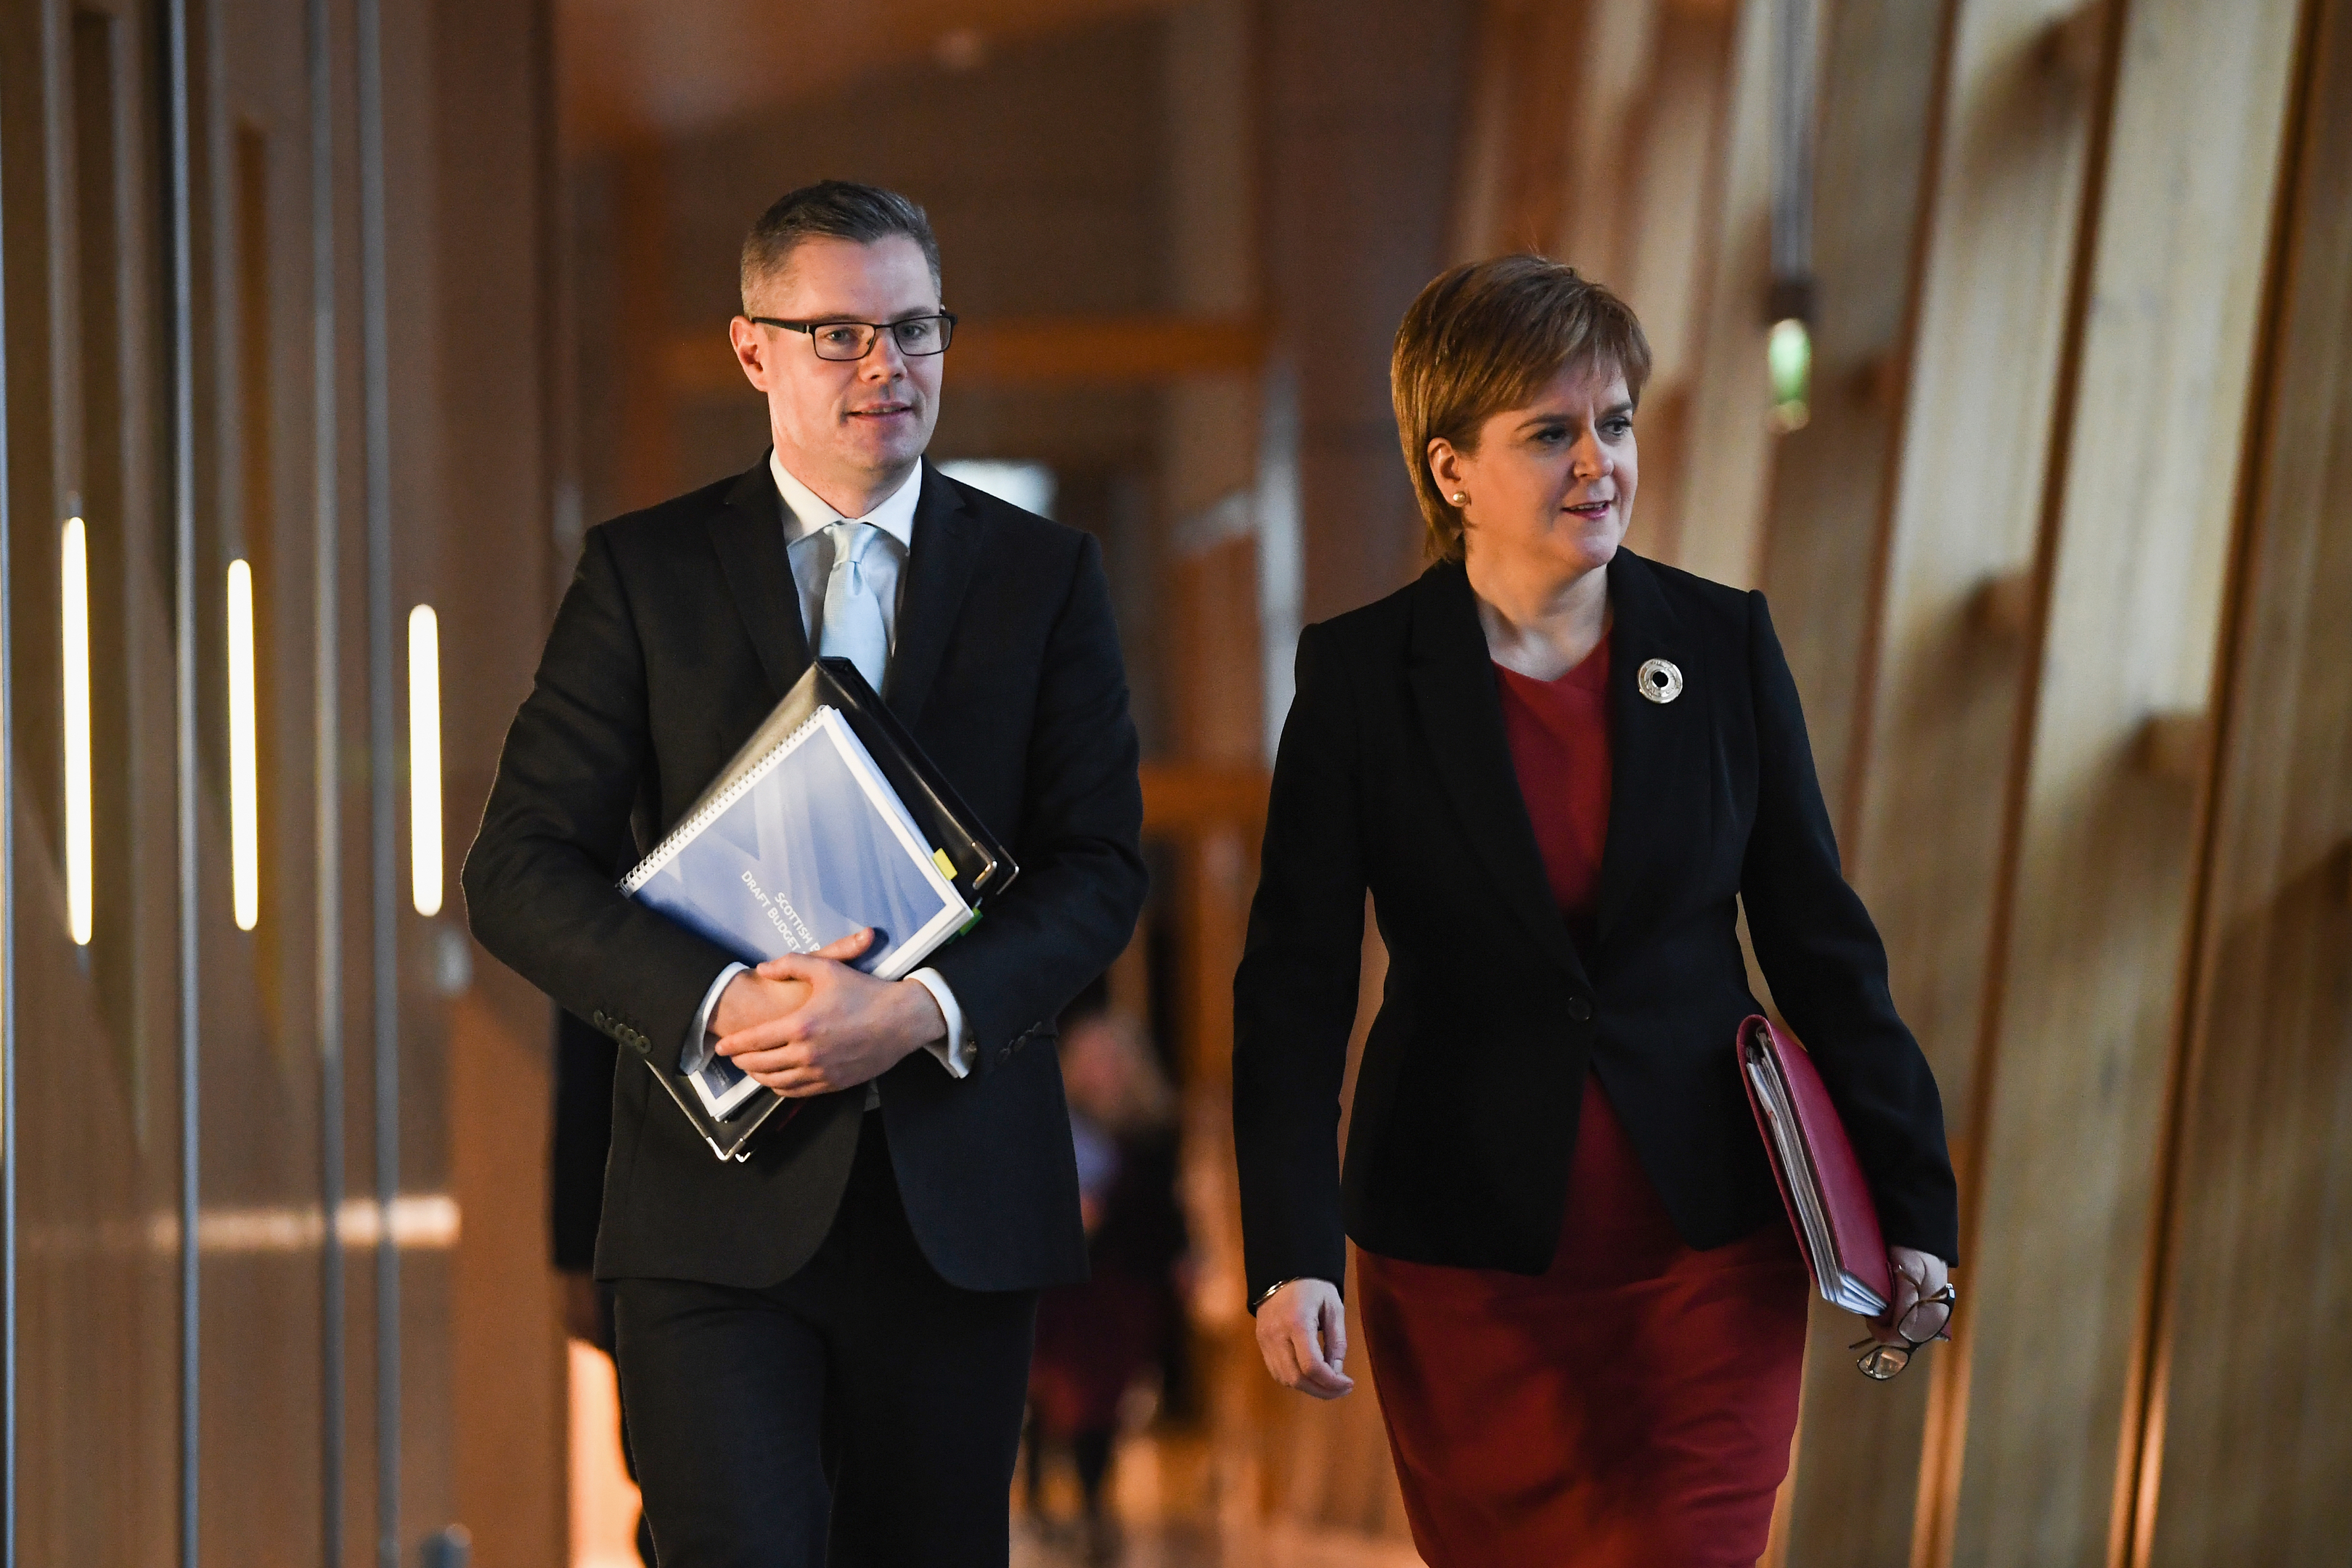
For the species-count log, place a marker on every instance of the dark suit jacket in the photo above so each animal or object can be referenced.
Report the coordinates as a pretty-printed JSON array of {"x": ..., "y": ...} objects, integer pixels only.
[
  {"x": 580, "y": 1139},
  {"x": 681, "y": 631},
  {"x": 1394, "y": 775}
]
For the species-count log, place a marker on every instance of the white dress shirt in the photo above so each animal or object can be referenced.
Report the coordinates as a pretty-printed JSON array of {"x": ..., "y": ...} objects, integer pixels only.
[{"x": 807, "y": 517}]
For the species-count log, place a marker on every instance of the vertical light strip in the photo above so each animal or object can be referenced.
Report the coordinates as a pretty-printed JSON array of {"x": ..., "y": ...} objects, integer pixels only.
[
  {"x": 80, "y": 832},
  {"x": 243, "y": 759},
  {"x": 424, "y": 760}
]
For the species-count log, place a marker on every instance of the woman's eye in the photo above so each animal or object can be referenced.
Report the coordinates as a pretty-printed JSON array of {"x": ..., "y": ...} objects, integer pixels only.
[{"x": 1618, "y": 429}]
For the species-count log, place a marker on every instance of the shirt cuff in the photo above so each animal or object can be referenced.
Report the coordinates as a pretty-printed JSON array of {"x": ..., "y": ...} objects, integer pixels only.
[
  {"x": 695, "y": 1054},
  {"x": 954, "y": 1051}
]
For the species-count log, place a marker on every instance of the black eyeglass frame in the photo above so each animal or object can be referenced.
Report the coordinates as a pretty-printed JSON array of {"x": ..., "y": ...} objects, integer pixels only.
[
  {"x": 1894, "y": 1358},
  {"x": 946, "y": 320}
]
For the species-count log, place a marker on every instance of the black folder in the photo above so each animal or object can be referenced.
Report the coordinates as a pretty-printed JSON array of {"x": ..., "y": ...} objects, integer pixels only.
[{"x": 983, "y": 867}]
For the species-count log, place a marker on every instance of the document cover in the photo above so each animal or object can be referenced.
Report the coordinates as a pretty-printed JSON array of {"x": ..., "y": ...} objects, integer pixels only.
[
  {"x": 1821, "y": 1181},
  {"x": 802, "y": 849},
  {"x": 829, "y": 818}
]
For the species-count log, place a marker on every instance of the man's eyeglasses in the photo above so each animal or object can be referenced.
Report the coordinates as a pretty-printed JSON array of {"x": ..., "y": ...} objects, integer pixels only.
[
  {"x": 1882, "y": 1362},
  {"x": 915, "y": 335}
]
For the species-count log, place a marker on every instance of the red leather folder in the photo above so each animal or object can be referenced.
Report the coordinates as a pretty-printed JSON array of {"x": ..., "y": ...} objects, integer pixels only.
[{"x": 1829, "y": 1202}]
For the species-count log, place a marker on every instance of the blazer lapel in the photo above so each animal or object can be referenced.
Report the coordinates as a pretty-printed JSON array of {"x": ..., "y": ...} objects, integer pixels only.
[
  {"x": 749, "y": 535},
  {"x": 1461, "y": 715},
  {"x": 1660, "y": 803},
  {"x": 939, "y": 562}
]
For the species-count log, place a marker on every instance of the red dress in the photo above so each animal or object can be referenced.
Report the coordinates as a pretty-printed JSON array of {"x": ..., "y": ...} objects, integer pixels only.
[{"x": 1632, "y": 1406}]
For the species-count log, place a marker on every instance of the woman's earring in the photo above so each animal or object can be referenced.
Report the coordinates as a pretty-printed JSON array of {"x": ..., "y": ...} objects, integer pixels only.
[{"x": 1460, "y": 497}]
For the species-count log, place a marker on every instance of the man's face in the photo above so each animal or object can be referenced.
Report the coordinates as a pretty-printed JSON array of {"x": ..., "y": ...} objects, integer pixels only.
[{"x": 849, "y": 430}]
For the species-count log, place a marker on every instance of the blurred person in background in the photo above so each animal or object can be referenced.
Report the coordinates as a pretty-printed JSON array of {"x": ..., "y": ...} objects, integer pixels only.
[
  {"x": 1097, "y": 1340},
  {"x": 1562, "y": 771}
]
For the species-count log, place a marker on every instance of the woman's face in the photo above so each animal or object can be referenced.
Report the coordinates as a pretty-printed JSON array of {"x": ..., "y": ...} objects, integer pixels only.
[{"x": 1550, "y": 485}]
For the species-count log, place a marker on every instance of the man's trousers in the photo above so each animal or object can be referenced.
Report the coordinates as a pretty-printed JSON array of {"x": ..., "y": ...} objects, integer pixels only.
[{"x": 862, "y": 1413}]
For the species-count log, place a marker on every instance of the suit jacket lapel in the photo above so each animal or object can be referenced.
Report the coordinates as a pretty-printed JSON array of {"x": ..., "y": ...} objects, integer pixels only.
[
  {"x": 940, "y": 563},
  {"x": 749, "y": 536},
  {"x": 1461, "y": 715},
  {"x": 1660, "y": 803}
]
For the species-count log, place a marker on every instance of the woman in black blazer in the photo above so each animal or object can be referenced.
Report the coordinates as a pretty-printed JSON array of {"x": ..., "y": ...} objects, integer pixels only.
[{"x": 1559, "y": 769}]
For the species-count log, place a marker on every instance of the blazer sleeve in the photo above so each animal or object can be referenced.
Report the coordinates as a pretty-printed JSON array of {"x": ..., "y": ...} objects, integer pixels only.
[
  {"x": 1827, "y": 968},
  {"x": 585, "y": 1064},
  {"x": 1295, "y": 992},
  {"x": 1073, "y": 908},
  {"x": 538, "y": 880}
]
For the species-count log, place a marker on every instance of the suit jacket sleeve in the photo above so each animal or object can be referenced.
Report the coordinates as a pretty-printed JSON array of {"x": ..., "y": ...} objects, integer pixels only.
[
  {"x": 1294, "y": 994},
  {"x": 538, "y": 880},
  {"x": 586, "y": 1062},
  {"x": 1827, "y": 969},
  {"x": 1071, "y": 911}
]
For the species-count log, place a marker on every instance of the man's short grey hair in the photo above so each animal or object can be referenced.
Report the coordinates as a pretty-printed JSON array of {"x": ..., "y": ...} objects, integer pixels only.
[{"x": 833, "y": 209}]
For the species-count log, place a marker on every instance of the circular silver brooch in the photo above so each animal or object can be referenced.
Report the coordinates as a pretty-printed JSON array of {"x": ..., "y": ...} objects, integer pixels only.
[{"x": 1659, "y": 679}]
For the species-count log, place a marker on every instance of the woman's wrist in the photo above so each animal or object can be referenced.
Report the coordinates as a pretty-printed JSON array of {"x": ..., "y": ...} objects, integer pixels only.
[{"x": 1263, "y": 1297}]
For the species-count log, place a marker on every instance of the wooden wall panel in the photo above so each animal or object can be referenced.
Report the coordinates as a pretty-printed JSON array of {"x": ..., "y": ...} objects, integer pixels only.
[
  {"x": 1935, "y": 735},
  {"x": 2248, "y": 1448},
  {"x": 288, "y": 1396},
  {"x": 490, "y": 1427},
  {"x": 1360, "y": 158},
  {"x": 1832, "y": 493},
  {"x": 1938, "y": 686},
  {"x": 1668, "y": 185},
  {"x": 1664, "y": 243},
  {"x": 1728, "y": 451},
  {"x": 1831, "y": 485},
  {"x": 2097, "y": 846},
  {"x": 96, "y": 1090}
]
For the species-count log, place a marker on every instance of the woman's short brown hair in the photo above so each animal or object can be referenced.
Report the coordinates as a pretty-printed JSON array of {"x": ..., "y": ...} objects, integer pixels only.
[{"x": 1486, "y": 336}]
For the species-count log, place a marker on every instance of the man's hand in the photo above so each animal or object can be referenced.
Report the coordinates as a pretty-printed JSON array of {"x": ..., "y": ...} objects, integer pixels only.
[
  {"x": 807, "y": 1024},
  {"x": 1302, "y": 1332}
]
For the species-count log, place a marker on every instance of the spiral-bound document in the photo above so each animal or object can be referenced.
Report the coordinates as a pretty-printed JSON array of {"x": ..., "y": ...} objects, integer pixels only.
[
  {"x": 803, "y": 838},
  {"x": 806, "y": 847}
]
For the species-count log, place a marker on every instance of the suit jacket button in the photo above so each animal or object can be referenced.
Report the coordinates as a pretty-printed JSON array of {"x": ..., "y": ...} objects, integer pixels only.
[
  {"x": 1579, "y": 1009},
  {"x": 1005, "y": 1053}
]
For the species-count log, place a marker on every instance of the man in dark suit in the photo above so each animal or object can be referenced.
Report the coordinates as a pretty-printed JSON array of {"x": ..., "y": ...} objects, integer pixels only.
[{"x": 824, "y": 1348}]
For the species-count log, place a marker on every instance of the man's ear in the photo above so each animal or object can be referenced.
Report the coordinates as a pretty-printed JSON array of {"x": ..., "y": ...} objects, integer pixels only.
[{"x": 750, "y": 352}]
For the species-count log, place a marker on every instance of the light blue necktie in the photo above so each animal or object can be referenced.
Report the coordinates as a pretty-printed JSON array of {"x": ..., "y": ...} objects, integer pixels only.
[{"x": 852, "y": 627}]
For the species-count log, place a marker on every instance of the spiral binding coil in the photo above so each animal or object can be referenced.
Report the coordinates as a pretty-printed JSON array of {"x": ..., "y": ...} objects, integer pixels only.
[{"x": 712, "y": 809}]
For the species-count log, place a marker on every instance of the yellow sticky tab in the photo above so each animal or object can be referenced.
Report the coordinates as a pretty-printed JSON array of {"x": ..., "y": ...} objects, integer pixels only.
[{"x": 946, "y": 866}]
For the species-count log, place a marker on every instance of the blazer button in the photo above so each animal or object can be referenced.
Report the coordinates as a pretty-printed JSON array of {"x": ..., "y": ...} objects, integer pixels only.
[{"x": 1579, "y": 1009}]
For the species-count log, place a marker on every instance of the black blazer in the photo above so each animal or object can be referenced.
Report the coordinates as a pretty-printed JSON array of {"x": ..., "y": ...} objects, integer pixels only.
[
  {"x": 1394, "y": 775},
  {"x": 579, "y": 1140},
  {"x": 681, "y": 632}
]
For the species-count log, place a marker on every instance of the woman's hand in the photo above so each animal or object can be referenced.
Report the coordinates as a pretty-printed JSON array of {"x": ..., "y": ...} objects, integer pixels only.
[
  {"x": 1917, "y": 1275},
  {"x": 1302, "y": 1332}
]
